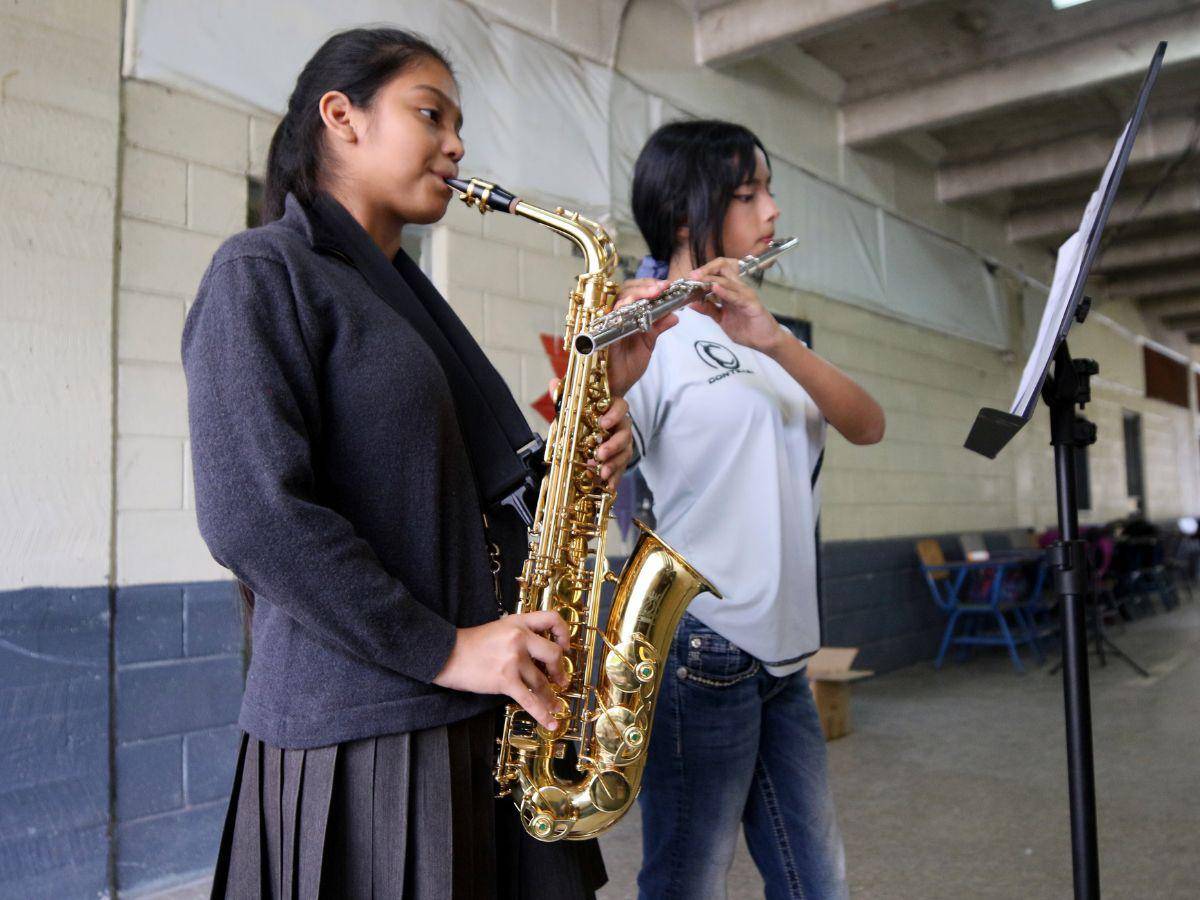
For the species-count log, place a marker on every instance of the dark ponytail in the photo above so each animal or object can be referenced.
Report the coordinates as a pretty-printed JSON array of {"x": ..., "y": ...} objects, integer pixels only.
[
  {"x": 686, "y": 175},
  {"x": 358, "y": 63}
]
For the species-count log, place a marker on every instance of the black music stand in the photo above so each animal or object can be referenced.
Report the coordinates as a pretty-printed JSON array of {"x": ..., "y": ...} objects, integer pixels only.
[{"x": 1062, "y": 390}]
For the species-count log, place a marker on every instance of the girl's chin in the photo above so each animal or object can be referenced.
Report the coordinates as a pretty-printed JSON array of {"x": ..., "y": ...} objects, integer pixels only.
[{"x": 428, "y": 212}]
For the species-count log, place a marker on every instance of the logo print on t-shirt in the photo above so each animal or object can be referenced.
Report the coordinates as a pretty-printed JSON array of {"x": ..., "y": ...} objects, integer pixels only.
[{"x": 718, "y": 356}]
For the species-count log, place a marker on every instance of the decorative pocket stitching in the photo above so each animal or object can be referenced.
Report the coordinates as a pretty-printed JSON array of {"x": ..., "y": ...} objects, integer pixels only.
[{"x": 720, "y": 683}]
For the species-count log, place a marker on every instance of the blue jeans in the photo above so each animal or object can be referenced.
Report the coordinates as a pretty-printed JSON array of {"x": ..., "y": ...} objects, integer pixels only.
[{"x": 732, "y": 744}]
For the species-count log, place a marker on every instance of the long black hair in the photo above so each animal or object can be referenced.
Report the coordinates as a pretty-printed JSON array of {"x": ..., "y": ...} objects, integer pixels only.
[
  {"x": 358, "y": 63},
  {"x": 686, "y": 175}
]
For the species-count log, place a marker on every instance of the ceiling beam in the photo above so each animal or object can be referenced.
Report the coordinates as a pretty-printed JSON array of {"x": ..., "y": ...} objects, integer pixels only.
[
  {"x": 1182, "y": 320},
  {"x": 1150, "y": 251},
  {"x": 746, "y": 28},
  {"x": 805, "y": 72},
  {"x": 1155, "y": 284},
  {"x": 1073, "y": 157},
  {"x": 1170, "y": 305},
  {"x": 1060, "y": 220},
  {"x": 1122, "y": 53}
]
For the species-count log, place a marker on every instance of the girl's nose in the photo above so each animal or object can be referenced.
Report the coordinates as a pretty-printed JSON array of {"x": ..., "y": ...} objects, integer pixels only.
[{"x": 772, "y": 209}]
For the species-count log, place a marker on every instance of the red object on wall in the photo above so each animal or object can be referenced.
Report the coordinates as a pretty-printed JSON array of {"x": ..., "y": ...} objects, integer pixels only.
[{"x": 553, "y": 344}]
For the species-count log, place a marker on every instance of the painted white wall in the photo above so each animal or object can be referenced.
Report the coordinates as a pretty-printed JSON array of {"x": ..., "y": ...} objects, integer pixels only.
[
  {"x": 59, "y": 113},
  {"x": 75, "y": 447},
  {"x": 184, "y": 189}
]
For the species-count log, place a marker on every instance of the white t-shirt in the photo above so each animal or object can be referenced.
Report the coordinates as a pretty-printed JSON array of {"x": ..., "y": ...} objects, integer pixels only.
[{"x": 731, "y": 448}]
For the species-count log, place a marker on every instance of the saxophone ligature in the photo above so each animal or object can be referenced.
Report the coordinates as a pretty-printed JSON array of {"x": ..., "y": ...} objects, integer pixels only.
[{"x": 578, "y": 780}]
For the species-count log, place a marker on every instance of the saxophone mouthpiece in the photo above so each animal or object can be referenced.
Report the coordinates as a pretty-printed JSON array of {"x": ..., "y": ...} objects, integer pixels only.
[{"x": 483, "y": 194}]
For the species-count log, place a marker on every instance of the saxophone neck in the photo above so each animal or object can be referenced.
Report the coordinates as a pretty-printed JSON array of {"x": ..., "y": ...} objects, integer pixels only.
[
  {"x": 593, "y": 241},
  {"x": 590, "y": 237}
]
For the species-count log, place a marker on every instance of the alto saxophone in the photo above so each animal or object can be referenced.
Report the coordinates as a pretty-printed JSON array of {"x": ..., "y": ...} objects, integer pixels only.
[{"x": 616, "y": 670}]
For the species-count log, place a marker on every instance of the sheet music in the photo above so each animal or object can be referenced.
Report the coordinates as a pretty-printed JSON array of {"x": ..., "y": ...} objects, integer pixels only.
[{"x": 1056, "y": 315}]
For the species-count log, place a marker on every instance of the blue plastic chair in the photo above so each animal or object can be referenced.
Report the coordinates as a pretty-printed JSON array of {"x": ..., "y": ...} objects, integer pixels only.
[{"x": 946, "y": 581}]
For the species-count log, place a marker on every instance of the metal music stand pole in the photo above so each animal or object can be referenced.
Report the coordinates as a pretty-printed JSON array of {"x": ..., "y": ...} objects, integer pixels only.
[
  {"x": 1061, "y": 392},
  {"x": 1062, "y": 389}
]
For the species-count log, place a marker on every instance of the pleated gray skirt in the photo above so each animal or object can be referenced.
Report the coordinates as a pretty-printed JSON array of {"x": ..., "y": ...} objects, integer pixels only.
[{"x": 397, "y": 816}]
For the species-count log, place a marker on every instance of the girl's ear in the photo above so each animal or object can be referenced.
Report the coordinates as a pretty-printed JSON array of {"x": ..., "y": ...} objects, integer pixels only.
[{"x": 336, "y": 111}]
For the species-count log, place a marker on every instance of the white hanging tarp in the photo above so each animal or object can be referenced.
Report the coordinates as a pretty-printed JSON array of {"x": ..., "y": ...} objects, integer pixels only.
[
  {"x": 839, "y": 253},
  {"x": 535, "y": 117},
  {"x": 942, "y": 285},
  {"x": 559, "y": 129},
  {"x": 634, "y": 115}
]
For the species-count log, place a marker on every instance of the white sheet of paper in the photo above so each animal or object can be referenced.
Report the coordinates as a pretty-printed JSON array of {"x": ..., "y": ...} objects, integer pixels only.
[{"x": 1066, "y": 274}]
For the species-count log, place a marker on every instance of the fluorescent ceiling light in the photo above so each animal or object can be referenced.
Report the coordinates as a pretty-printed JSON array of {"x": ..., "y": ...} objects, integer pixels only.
[{"x": 1063, "y": 4}]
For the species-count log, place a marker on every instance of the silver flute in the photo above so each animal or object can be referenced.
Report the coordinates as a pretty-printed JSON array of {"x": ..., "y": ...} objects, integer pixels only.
[{"x": 642, "y": 314}]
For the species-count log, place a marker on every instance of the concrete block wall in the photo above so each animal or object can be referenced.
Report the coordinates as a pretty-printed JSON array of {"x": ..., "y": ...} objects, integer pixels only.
[
  {"x": 1168, "y": 444},
  {"x": 54, "y": 743},
  {"x": 178, "y": 691},
  {"x": 59, "y": 113},
  {"x": 920, "y": 480},
  {"x": 1169, "y": 454},
  {"x": 59, "y": 119},
  {"x": 508, "y": 279},
  {"x": 178, "y": 645},
  {"x": 184, "y": 184}
]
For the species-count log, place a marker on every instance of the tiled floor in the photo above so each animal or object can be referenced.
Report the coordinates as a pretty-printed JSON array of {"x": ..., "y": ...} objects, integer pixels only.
[{"x": 953, "y": 784}]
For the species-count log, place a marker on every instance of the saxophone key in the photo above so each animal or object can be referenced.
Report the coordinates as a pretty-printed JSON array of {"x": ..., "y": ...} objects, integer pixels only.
[
  {"x": 610, "y": 791},
  {"x": 621, "y": 733},
  {"x": 547, "y": 814},
  {"x": 568, "y": 594},
  {"x": 629, "y": 666}
]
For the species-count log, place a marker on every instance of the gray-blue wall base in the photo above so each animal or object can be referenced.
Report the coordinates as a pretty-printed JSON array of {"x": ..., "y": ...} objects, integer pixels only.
[
  {"x": 176, "y": 652},
  {"x": 178, "y": 690},
  {"x": 874, "y": 597},
  {"x": 54, "y": 743},
  {"x": 67, "y": 827}
]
